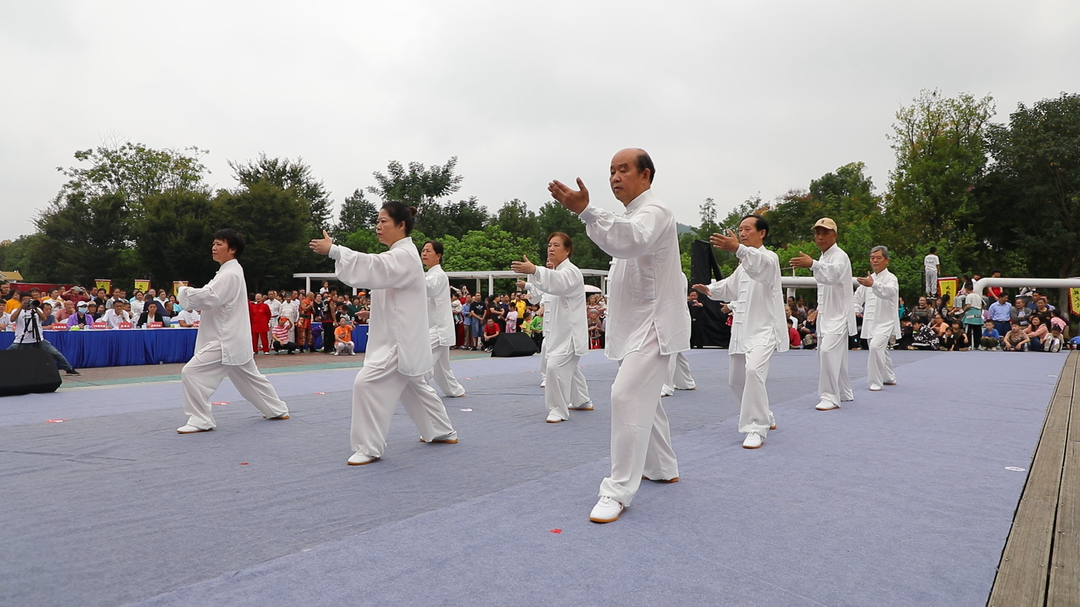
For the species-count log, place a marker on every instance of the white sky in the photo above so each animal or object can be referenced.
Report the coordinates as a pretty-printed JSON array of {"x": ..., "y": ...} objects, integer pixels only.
[{"x": 730, "y": 98}]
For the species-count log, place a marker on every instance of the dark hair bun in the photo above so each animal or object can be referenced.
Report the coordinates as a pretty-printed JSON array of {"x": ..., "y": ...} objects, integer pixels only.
[{"x": 413, "y": 211}]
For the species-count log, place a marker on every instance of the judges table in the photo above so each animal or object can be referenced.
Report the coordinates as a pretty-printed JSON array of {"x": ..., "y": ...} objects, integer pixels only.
[{"x": 121, "y": 347}]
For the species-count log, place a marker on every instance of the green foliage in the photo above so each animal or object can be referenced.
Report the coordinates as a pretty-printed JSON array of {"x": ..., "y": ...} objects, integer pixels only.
[
  {"x": 417, "y": 185},
  {"x": 175, "y": 236},
  {"x": 553, "y": 217},
  {"x": 134, "y": 172},
  {"x": 515, "y": 218},
  {"x": 289, "y": 175},
  {"x": 81, "y": 234},
  {"x": 487, "y": 249},
  {"x": 452, "y": 219},
  {"x": 357, "y": 213}
]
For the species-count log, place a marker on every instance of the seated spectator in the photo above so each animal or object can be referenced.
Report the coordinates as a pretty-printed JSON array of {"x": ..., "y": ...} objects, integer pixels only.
[
  {"x": 65, "y": 311},
  {"x": 280, "y": 336},
  {"x": 5, "y": 321},
  {"x": 954, "y": 339},
  {"x": 1036, "y": 332},
  {"x": 149, "y": 315},
  {"x": 938, "y": 324},
  {"x": 188, "y": 318},
  {"x": 902, "y": 309},
  {"x": 1016, "y": 340},
  {"x": 1019, "y": 312},
  {"x": 1055, "y": 340},
  {"x": 923, "y": 337},
  {"x": 343, "y": 341},
  {"x": 922, "y": 312},
  {"x": 1059, "y": 322},
  {"x": 991, "y": 339},
  {"x": 50, "y": 319},
  {"x": 15, "y": 302},
  {"x": 793, "y": 335},
  {"x": 116, "y": 315},
  {"x": 54, "y": 300},
  {"x": 491, "y": 333},
  {"x": 82, "y": 318}
]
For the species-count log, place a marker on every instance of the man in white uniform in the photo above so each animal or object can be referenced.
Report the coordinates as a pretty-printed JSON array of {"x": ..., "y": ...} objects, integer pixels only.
[
  {"x": 647, "y": 323},
  {"x": 836, "y": 316},
  {"x": 440, "y": 319},
  {"x": 223, "y": 344},
  {"x": 565, "y": 325},
  {"x": 878, "y": 298},
  {"x": 932, "y": 267},
  {"x": 758, "y": 326}
]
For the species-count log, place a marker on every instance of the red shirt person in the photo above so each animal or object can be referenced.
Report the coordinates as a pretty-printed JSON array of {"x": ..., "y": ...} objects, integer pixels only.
[{"x": 260, "y": 323}]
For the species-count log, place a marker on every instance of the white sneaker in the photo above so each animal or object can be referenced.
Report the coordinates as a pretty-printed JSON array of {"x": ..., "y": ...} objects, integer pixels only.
[
  {"x": 875, "y": 388},
  {"x": 543, "y": 383},
  {"x": 606, "y": 510},
  {"x": 826, "y": 406},
  {"x": 337, "y": 353},
  {"x": 189, "y": 429},
  {"x": 554, "y": 418},
  {"x": 586, "y": 406},
  {"x": 359, "y": 459},
  {"x": 753, "y": 440},
  {"x": 666, "y": 391}
]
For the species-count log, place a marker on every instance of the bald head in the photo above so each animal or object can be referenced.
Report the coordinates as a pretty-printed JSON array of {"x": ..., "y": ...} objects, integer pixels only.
[{"x": 632, "y": 173}]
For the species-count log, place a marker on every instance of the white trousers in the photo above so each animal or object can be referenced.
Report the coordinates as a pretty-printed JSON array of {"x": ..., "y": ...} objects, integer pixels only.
[
  {"x": 679, "y": 377},
  {"x": 442, "y": 375},
  {"x": 375, "y": 395},
  {"x": 879, "y": 366},
  {"x": 343, "y": 347},
  {"x": 202, "y": 375},
  {"x": 565, "y": 385},
  {"x": 543, "y": 358},
  {"x": 640, "y": 435},
  {"x": 834, "y": 382},
  {"x": 931, "y": 282},
  {"x": 747, "y": 374}
]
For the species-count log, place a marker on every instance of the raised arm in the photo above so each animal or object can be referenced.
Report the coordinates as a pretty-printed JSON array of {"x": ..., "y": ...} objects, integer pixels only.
[
  {"x": 567, "y": 281},
  {"x": 210, "y": 295},
  {"x": 831, "y": 273},
  {"x": 758, "y": 264},
  {"x": 624, "y": 237},
  {"x": 373, "y": 271}
]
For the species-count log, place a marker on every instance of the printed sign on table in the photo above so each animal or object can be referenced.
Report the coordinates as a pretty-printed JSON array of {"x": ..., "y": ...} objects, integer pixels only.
[
  {"x": 58, "y": 327},
  {"x": 124, "y": 325},
  {"x": 100, "y": 324},
  {"x": 153, "y": 325}
]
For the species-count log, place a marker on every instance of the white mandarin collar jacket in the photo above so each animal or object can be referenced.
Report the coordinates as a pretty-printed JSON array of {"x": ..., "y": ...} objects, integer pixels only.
[
  {"x": 758, "y": 311},
  {"x": 836, "y": 314},
  {"x": 399, "y": 323},
  {"x": 880, "y": 305},
  {"x": 647, "y": 287},
  {"x": 224, "y": 318},
  {"x": 566, "y": 322},
  {"x": 440, "y": 316}
]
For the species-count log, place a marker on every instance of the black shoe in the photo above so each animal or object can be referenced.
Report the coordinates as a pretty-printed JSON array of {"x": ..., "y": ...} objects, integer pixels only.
[{"x": 72, "y": 372}]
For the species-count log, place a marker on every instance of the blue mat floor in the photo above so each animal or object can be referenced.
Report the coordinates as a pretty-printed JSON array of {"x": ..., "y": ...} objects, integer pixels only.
[{"x": 903, "y": 497}]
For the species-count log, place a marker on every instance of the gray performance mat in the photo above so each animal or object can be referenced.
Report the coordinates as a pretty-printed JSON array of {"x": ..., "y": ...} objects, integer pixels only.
[{"x": 900, "y": 498}]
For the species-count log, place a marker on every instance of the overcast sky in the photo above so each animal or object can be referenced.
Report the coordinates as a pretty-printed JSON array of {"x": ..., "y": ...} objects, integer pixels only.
[{"x": 731, "y": 99}]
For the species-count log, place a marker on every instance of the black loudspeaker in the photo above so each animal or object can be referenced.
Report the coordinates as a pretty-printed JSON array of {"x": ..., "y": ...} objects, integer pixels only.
[
  {"x": 514, "y": 344},
  {"x": 27, "y": 370},
  {"x": 708, "y": 324}
]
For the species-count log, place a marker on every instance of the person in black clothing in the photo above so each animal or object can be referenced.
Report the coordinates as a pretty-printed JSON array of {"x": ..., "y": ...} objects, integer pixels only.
[{"x": 150, "y": 314}]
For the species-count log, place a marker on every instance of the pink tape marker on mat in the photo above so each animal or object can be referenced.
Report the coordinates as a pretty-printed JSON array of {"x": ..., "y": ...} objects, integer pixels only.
[{"x": 55, "y": 421}]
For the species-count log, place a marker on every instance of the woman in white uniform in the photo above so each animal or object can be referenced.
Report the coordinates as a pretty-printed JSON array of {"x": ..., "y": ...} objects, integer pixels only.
[
  {"x": 440, "y": 319},
  {"x": 398, "y": 356},
  {"x": 565, "y": 326}
]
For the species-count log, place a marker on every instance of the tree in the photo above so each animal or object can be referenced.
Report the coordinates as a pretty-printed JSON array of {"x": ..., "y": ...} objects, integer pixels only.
[
  {"x": 516, "y": 218},
  {"x": 553, "y": 217},
  {"x": 175, "y": 236},
  {"x": 289, "y": 174},
  {"x": 82, "y": 236},
  {"x": 940, "y": 146},
  {"x": 1033, "y": 186},
  {"x": 134, "y": 171},
  {"x": 482, "y": 250},
  {"x": 451, "y": 219},
  {"x": 357, "y": 213},
  {"x": 417, "y": 186}
]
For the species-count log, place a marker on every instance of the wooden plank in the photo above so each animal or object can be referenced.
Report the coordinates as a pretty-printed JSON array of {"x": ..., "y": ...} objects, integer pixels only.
[
  {"x": 1024, "y": 569},
  {"x": 1064, "y": 588}
]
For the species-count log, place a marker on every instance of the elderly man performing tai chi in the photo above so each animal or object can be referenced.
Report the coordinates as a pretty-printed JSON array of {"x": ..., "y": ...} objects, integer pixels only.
[
  {"x": 398, "y": 357},
  {"x": 878, "y": 297},
  {"x": 223, "y": 343},
  {"x": 836, "y": 314},
  {"x": 647, "y": 323},
  {"x": 565, "y": 326},
  {"x": 758, "y": 327},
  {"x": 440, "y": 319}
]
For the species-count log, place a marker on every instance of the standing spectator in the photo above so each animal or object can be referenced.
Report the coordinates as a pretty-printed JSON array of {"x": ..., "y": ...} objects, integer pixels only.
[
  {"x": 932, "y": 268},
  {"x": 1001, "y": 313},
  {"x": 325, "y": 314},
  {"x": 274, "y": 303},
  {"x": 290, "y": 311},
  {"x": 27, "y": 320},
  {"x": 440, "y": 319},
  {"x": 259, "y": 315},
  {"x": 647, "y": 323},
  {"x": 478, "y": 311},
  {"x": 836, "y": 314},
  {"x": 973, "y": 318},
  {"x": 467, "y": 322},
  {"x": 306, "y": 316},
  {"x": 456, "y": 308},
  {"x": 1019, "y": 313}
]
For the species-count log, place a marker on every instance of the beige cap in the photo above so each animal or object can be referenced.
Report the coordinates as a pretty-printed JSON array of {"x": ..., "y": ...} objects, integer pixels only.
[{"x": 826, "y": 223}]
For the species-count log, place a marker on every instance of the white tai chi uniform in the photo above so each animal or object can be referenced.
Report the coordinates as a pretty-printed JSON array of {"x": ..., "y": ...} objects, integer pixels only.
[
  {"x": 679, "y": 377},
  {"x": 540, "y": 298},
  {"x": 647, "y": 323},
  {"x": 880, "y": 307},
  {"x": 758, "y": 328},
  {"x": 441, "y": 330},
  {"x": 291, "y": 310},
  {"x": 930, "y": 266},
  {"x": 398, "y": 354},
  {"x": 223, "y": 347},
  {"x": 835, "y": 324},
  {"x": 566, "y": 337}
]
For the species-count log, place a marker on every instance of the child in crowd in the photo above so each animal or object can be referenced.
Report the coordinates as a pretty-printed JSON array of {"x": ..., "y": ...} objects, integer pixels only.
[
  {"x": 343, "y": 341},
  {"x": 1016, "y": 340},
  {"x": 596, "y": 330},
  {"x": 1054, "y": 341},
  {"x": 991, "y": 339},
  {"x": 793, "y": 335},
  {"x": 511, "y": 319}
]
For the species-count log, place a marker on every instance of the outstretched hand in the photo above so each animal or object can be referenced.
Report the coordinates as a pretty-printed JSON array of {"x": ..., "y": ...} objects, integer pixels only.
[
  {"x": 868, "y": 281},
  {"x": 575, "y": 201},
  {"x": 703, "y": 289},
  {"x": 727, "y": 242},
  {"x": 321, "y": 245},
  {"x": 523, "y": 267},
  {"x": 802, "y": 260}
]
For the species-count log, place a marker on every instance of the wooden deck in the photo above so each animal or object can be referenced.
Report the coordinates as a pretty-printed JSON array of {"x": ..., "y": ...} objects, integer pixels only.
[{"x": 1041, "y": 561}]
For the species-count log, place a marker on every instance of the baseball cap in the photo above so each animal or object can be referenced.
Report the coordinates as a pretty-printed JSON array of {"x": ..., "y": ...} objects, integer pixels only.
[{"x": 826, "y": 223}]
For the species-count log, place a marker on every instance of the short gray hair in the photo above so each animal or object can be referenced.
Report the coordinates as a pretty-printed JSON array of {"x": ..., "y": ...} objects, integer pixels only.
[{"x": 881, "y": 249}]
